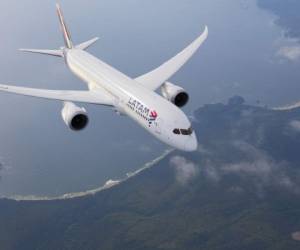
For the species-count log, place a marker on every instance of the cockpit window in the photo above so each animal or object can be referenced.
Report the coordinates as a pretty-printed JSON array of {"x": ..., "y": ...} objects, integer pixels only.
[
  {"x": 186, "y": 131},
  {"x": 176, "y": 131}
]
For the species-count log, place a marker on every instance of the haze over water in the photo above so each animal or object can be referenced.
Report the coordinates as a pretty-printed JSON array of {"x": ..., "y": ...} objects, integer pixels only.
[{"x": 42, "y": 157}]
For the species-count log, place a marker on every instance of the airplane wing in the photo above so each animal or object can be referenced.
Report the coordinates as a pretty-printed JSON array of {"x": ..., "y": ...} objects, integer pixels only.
[
  {"x": 92, "y": 97},
  {"x": 154, "y": 79}
]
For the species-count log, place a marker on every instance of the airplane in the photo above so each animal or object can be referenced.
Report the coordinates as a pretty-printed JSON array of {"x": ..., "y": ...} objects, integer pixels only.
[{"x": 160, "y": 115}]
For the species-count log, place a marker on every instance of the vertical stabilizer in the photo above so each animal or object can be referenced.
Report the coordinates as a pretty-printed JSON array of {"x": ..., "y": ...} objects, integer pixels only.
[{"x": 64, "y": 28}]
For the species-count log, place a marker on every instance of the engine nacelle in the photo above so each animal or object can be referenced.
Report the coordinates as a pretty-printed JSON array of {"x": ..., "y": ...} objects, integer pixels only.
[
  {"x": 175, "y": 94},
  {"x": 76, "y": 118}
]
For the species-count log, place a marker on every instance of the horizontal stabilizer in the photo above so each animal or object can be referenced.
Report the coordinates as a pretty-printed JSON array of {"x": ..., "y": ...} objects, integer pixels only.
[
  {"x": 59, "y": 53},
  {"x": 44, "y": 52},
  {"x": 87, "y": 44}
]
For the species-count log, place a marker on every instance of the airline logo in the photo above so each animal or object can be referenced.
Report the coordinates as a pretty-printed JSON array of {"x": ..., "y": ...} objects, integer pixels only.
[
  {"x": 143, "y": 111},
  {"x": 153, "y": 117}
]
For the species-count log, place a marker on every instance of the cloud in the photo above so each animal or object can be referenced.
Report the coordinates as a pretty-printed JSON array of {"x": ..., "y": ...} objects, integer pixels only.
[
  {"x": 291, "y": 53},
  {"x": 296, "y": 236},
  {"x": 264, "y": 170},
  {"x": 211, "y": 172},
  {"x": 203, "y": 150},
  {"x": 185, "y": 170},
  {"x": 295, "y": 125},
  {"x": 259, "y": 168}
]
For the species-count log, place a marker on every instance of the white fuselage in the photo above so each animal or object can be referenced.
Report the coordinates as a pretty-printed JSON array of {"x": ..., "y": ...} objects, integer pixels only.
[{"x": 154, "y": 113}]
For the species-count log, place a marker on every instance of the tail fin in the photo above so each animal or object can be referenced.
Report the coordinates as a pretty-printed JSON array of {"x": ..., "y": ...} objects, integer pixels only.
[
  {"x": 67, "y": 38},
  {"x": 64, "y": 28}
]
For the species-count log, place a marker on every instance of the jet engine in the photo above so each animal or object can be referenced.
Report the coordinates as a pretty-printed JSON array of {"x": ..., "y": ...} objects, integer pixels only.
[
  {"x": 175, "y": 94},
  {"x": 76, "y": 118}
]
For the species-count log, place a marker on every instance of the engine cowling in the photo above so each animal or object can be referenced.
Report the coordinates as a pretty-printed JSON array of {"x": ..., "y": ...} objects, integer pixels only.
[
  {"x": 75, "y": 118},
  {"x": 175, "y": 94}
]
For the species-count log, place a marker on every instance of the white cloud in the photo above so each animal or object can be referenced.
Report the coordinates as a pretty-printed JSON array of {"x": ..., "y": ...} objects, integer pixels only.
[
  {"x": 291, "y": 53},
  {"x": 295, "y": 125},
  {"x": 203, "y": 150},
  {"x": 286, "y": 182},
  {"x": 296, "y": 236},
  {"x": 185, "y": 170},
  {"x": 212, "y": 173},
  {"x": 259, "y": 168}
]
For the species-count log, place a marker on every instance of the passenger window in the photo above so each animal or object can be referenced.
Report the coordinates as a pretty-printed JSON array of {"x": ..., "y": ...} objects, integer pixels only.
[{"x": 176, "y": 131}]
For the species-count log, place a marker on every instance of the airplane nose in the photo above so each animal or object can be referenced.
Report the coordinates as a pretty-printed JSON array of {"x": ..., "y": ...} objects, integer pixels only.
[{"x": 192, "y": 144}]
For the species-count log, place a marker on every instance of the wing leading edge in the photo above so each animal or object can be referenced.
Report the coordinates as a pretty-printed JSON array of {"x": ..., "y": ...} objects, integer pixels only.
[
  {"x": 154, "y": 79},
  {"x": 92, "y": 97}
]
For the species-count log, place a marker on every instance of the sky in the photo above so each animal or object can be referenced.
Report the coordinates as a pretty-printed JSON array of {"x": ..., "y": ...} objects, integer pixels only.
[{"x": 246, "y": 54}]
